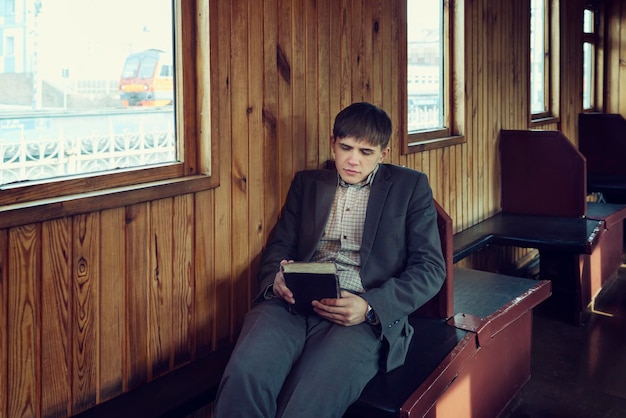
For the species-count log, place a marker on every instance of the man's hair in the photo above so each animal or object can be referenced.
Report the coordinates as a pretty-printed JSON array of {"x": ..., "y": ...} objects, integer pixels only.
[{"x": 364, "y": 122}]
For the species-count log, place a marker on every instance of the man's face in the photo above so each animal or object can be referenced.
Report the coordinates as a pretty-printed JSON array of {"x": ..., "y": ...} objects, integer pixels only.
[{"x": 355, "y": 160}]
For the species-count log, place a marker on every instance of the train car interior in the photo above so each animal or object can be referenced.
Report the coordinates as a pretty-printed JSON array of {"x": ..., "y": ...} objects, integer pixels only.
[{"x": 147, "y": 148}]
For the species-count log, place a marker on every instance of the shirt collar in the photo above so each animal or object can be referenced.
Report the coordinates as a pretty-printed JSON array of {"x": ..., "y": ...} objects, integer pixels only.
[{"x": 367, "y": 182}]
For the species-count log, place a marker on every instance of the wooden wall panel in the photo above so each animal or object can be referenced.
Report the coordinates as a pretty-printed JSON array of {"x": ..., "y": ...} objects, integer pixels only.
[
  {"x": 99, "y": 303},
  {"x": 138, "y": 276},
  {"x": 182, "y": 310},
  {"x": 24, "y": 315},
  {"x": 220, "y": 17},
  {"x": 206, "y": 295},
  {"x": 616, "y": 55},
  {"x": 56, "y": 308},
  {"x": 255, "y": 180},
  {"x": 4, "y": 321},
  {"x": 162, "y": 321},
  {"x": 112, "y": 309},
  {"x": 85, "y": 281},
  {"x": 239, "y": 162}
]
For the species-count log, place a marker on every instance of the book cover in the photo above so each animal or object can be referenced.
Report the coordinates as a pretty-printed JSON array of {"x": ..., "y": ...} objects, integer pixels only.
[{"x": 309, "y": 281}]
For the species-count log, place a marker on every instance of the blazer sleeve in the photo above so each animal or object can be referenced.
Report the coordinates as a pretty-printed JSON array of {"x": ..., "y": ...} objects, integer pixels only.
[
  {"x": 406, "y": 266},
  {"x": 283, "y": 240}
]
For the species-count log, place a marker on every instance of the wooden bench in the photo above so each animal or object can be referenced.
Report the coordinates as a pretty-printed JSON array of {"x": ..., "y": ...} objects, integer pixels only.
[
  {"x": 487, "y": 340},
  {"x": 544, "y": 206},
  {"x": 564, "y": 245},
  {"x": 475, "y": 328},
  {"x": 174, "y": 395},
  {"x": 602, "y": 140}
]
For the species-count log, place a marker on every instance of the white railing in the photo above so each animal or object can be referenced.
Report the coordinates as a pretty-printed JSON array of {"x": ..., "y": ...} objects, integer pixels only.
[
  {"x": 423, "y": 117},
  {"x": 46, "y": 158}
]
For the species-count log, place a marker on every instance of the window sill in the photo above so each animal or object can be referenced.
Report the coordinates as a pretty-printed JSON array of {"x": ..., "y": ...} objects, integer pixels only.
[
  {"x": 47, "y": 209},
  {"x": 535, "y": 123},
  {"x": 430, "y": 144}
]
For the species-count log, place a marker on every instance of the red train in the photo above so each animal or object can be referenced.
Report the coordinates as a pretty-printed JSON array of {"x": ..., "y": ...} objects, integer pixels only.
[{"x": 147, "y": 79}]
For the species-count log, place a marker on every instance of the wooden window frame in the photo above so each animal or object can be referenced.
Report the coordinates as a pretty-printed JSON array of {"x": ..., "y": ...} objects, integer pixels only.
[
  {"x": 198, "y": 167},
  {"x": 453, "y": 81},
  {"x": 551, "y": 67}
]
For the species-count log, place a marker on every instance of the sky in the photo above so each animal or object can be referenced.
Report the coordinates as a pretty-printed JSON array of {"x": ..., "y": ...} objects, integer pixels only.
[
  {"x": 422, "y": 15},
  {"x": 91, "y": 38}
]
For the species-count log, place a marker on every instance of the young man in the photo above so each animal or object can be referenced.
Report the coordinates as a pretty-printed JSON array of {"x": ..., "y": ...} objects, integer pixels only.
[{"x": 378, "y": 223}]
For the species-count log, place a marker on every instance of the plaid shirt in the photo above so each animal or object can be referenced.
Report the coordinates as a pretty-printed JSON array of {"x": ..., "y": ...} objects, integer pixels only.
[{"x": 341, "y": 241}]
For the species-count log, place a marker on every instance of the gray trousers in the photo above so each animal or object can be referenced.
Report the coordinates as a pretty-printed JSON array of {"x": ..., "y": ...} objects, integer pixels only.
[{"x": 286, "y": 365}]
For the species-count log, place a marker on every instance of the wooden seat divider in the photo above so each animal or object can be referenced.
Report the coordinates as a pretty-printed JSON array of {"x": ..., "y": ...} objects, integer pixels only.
[
  {"x": 544, "y": 174},
  {"x": 602, "y": 140},
  {"x": 544, "y": 206}
]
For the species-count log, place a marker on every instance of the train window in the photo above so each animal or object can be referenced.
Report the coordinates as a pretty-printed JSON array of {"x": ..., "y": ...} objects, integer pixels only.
[
  {"x": 591, "y": 20},
  {"x": 430, "y": 112},
  {"x": 92, "y": 104},
  {"x": 543, "y": 64}
]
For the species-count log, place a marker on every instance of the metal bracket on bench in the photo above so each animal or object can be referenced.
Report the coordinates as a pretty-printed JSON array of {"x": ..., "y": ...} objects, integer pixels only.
[{"x": 467, "y": 322}]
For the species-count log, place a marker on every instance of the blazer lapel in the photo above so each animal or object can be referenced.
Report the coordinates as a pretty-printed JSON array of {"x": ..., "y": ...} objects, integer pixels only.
[
  {"x": 324, "y": 195},
  {"x": 375, "y": 205}
]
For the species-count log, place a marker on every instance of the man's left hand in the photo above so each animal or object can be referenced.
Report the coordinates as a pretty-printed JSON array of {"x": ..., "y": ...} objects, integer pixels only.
[{"x": 348, "y": 310}]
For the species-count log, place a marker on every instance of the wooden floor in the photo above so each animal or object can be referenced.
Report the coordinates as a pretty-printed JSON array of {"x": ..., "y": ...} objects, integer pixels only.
[{"x": 578, "y": 372}]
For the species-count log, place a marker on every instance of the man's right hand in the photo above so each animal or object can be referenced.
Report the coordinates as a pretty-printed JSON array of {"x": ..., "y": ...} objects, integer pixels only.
[{"x": 280, "y": 288}]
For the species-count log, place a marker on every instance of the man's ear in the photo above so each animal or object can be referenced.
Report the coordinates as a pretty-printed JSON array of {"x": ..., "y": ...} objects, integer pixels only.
[{"x": 385, "y": 153}]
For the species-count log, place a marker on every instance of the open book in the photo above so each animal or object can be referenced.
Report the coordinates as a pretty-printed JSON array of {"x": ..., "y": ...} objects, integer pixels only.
[{"x": 309, "y": 281}]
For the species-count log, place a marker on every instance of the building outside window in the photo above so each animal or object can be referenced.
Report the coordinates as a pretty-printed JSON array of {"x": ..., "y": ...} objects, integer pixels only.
[
  {"x": 432, "y": 118},
  {"x": 589, "y": 61},
  {"x": 425, "y": 69},
  {"x": 539, "y": 58},
  {"x": 544, "y": 61}
]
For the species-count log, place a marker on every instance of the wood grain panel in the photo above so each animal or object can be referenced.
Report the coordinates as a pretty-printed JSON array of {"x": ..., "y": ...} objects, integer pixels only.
[
  {"x": 335, "y": 48},
  {"x": 56, "y": 308},
  {"x": 356, "y": 51},
  {"x": 161, "y": 321},
  {"x": 285, "y": 94},
  {"x": 183, "y": 308},
  {"x": 297, "y": 64},
  {"x": 223, "y": 202},
  {"x": 344, "y": 56},
  {"x": 239, "y": 162},
  {"x": 138, "y": 274},
  {"x": 310, "y": 78},
  {"x": 23, "y": 321},
  {"x": 4, "y": 321},
  {"x": 620, "y": 66},
  {"x": 256, "y": 177},
  {"x": 388, "y": 68},
  {"x": 112, "y": 313},
  {"x": 270, "y": 156},
  {"x": 206, "y": 294},
  {"x": 393, "y": 106},
  {"x": 85, "y": 282},
  {"x": 325, "y": 67}
]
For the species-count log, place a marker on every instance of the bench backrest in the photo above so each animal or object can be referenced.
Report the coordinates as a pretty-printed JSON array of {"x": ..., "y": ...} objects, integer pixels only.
[
  {"x": 602, "y": 140},
  {"x": 442, "y": 304},
  {"x": 542, "y": 173}
]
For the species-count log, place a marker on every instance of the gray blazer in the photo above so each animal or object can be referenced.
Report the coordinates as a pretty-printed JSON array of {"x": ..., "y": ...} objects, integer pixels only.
[{"x": 402, "y": 266}]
